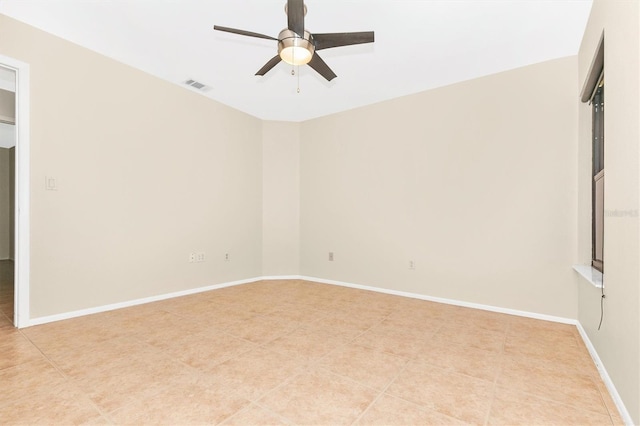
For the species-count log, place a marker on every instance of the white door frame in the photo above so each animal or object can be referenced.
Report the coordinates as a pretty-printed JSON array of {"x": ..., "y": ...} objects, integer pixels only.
[{"x": 21, "y": 316}]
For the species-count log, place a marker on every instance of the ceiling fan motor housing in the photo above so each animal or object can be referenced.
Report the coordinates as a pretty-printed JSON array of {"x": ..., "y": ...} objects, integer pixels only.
[{"x": 293, "y": 49}]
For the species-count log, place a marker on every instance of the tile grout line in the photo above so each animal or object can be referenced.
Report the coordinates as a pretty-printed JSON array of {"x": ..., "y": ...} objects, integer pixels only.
[
  {"x": 547, "y": 399},
  {"x": 264, "y": 407},
  {"x": 498, "y": 374},
  {"x": 7, "y": 317},
  {"x": 388, "y": 385},
  {"x": 306, "y": 367},
  {"x": 69, "y": 380},
  {"x": 316, "y": 364},
  {"x": 195, "y": 372},
  {"x": 382, "y": 392},
  {"x": 595, "y": 376}
]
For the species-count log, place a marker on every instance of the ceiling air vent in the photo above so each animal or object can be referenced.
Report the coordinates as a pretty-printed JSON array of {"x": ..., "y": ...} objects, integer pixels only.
[{"x": 197, "y": 85}]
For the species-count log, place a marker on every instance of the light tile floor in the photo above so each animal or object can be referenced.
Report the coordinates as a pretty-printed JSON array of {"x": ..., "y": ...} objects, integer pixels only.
[{"x": 294, "y": 352}]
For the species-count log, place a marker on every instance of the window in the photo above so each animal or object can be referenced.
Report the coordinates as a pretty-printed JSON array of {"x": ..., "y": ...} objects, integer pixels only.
[
  {"x": 593, "y": 93},
  {"x": 597, "y": 184}
]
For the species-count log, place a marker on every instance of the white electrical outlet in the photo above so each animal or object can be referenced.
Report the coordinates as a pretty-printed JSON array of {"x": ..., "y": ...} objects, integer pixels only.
[
  {"x": 227, "y": 257},
  {"x": 412, "y": 264},
  {"x": 200, "y": 257},
  {"x": 330, "y": 256}
]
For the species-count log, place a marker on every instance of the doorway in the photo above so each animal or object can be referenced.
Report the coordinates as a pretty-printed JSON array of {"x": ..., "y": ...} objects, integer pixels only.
[
  {"x": 14, "y": 191},
  {"x": 7, "y": 192}
]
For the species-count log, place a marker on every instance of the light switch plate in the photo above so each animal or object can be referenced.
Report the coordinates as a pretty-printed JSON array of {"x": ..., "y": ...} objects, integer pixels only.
[{"x": 50, "y": 183}]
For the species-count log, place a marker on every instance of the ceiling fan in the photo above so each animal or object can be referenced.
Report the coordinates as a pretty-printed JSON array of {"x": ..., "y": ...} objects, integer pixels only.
[{"x": 297, "y": 46}]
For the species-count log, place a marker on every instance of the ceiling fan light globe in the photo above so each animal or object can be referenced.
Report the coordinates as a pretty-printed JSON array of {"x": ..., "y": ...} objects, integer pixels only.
[
  {"x": 293, "y": 49},
  {"x": 295, "y": 55}
]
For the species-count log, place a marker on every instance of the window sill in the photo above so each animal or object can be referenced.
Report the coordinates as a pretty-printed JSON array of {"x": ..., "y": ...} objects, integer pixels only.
[{"x": 590, "y": 274}]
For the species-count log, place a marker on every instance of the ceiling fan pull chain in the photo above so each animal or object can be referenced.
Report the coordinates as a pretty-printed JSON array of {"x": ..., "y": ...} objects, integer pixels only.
[{"x": 298, "y": 79}]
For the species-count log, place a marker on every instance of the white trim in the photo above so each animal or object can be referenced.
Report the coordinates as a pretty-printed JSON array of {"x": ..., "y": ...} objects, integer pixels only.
[
  {"x": 591, "y": 274},
  {"x": 281, "y": 277},
  {"x": 448, "y": 301},
  {"x": 22, "y": 191},
  {"x": 626, "y": 416},
  {"x": 135, "y": 302}
]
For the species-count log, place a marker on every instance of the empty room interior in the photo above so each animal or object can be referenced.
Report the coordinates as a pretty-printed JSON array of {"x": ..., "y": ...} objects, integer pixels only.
[{"x": 427, "y": 238}]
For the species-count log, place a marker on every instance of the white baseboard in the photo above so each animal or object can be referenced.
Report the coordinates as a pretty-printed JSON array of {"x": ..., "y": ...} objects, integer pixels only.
[
  {"x": 626, "y": 416},
  {"x": 129, "y": 303},
  {"x": 281, "y": 277},
  {"x": 135, "y": 302},
  {"x": 498, "y": 309}
]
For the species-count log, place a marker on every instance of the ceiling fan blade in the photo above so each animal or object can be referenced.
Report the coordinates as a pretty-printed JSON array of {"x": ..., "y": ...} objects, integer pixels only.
[
  {"x": 321, "y": 67},
  {"x": 243, "y": 32},
  {"x": 295, "y": 16},
  {"x": 329, "y": 40},
  {"x": 272, "y": 63}
]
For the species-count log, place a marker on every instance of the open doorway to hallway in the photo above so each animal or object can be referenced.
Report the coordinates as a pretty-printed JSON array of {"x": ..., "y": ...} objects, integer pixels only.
[
  {"x": 7, "y": 292},
  {"x": 7, "y": 191},
  {"x": 20, "y": 167}
]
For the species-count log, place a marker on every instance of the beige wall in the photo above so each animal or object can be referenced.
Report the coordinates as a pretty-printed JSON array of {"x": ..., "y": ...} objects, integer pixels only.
[
  {"x": 5, "y": 203},
  {"x": 618, "y": 340},
  {"x": 147, "y": 172},
  {"x": 474, "y": 182},
  {"x": 280, "y": 198}
]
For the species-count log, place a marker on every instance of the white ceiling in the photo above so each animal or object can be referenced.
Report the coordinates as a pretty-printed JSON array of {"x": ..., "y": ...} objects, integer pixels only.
[{"x": 420, "y": 44}]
